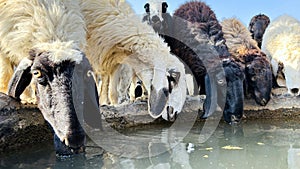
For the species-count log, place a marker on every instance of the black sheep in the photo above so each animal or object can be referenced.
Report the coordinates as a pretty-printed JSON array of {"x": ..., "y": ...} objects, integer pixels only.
[{"x": 65, "y": 94}]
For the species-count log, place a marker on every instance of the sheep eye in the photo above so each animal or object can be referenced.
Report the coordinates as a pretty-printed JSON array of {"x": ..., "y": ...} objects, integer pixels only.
[
  {"x": 253, "y": 78},
  {"x": 221, "y": 81},
  {"x": 36, "y": 73}
]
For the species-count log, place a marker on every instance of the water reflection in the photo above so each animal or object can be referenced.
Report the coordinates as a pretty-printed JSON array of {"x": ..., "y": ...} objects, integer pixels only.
[{"x": 253, "y": 144}]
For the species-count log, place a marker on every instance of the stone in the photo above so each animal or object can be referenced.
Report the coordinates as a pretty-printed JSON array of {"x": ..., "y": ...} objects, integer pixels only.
[{"x": 20, "y": 125}]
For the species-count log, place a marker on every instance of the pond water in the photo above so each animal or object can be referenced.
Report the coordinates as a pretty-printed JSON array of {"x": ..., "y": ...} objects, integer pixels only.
[{"x": 259, "y": 144}]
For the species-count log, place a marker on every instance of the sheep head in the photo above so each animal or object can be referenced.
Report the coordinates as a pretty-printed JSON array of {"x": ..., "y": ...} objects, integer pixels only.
[
  {"x": 165, "y": 85},
  {"x": 234, "y": 103},
  {"x": 225, "y": 88},
  {"x": 64, "y": 91},
  {"x": 257, "y": 27},
  {"x": 258, "y": 78},
  {"x": 158, "y": 93},
  {"x": 156, "y": 15},
  {"x": 177, "y": 91}
]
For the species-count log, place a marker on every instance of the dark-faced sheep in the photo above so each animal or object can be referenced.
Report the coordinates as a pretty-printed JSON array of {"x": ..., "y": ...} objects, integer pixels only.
[
  {"x": 281, "y": 45},
  {"x": 257, "y": 27},
  {"x": 116, "y": 35},
  {"x": 195, "y": 36},
  {"x": 46, "y": 39},
  {"x": 257, "y": 67}
]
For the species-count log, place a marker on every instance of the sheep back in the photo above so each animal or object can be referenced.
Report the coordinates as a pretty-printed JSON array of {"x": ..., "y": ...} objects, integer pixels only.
[
  {"x": 114, "y": 29},
  {"x": 203, "y": 18},
  {"x": 238, "y": 38}
]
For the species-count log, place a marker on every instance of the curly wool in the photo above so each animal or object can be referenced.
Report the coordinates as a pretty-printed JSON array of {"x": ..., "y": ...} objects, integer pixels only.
[
  {"x": 55, "y": 26},
  {"x": 203, "y": 18},
  {"x": 28, "y": 24},
  {"x": 238, "y": 38},
  {"x": 130, "y": 35}
]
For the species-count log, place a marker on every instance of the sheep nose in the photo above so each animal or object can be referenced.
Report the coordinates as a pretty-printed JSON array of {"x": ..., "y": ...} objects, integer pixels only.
[
  {"x": 263, "y": 102},
  {"x": 295, "y": 90},
  {"x": 75, "y": 141},
  {"x": 172, "y": 115},
  {"x": 259, "y": 36},
  {"x": 155, "y": 19}
]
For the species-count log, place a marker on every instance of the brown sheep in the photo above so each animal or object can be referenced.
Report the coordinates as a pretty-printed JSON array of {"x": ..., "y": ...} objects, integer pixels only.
[{"x": 257, "y": 66}]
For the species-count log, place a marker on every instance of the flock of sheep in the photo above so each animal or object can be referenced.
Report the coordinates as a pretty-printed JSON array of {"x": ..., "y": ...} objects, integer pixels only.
[{"x": 59, "y": 49}]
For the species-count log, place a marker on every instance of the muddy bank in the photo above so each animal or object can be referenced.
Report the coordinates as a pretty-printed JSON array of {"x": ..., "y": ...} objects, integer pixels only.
[{"x": 21, "y": 125}]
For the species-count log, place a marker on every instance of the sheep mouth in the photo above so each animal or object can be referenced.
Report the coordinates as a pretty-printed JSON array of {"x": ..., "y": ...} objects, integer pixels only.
[
  {"x": 65, "y": 150},
  {"x": 171, "y": 114},
  {"x": 262, "y": 102}
]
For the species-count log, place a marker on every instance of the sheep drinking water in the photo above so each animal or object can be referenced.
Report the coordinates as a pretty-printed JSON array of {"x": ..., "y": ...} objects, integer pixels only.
[{"x": 46, "y": 39}]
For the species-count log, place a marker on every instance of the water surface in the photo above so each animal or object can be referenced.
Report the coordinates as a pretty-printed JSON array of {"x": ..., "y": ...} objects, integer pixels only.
[{"x": 261, "y": 144}]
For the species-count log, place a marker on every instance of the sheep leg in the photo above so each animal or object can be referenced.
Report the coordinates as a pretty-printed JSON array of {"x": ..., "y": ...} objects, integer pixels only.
[
  {"x": 6, "y": 72},
  {"x": 125, "y": 79},
  {"x": 113, "y": 85},
  {"x": 132, "y": 89},
  {"x": 104, "y": 90}
]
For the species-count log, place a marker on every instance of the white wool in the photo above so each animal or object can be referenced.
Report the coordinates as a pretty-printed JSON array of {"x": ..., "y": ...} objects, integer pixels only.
[
  {"x": 282, "y": 44},
  {"x": 116, "y": 35},
  {"x": 25, "y": 24},
  {"x": 61, "y": 51},
  {"x": 113, "y": 27}
]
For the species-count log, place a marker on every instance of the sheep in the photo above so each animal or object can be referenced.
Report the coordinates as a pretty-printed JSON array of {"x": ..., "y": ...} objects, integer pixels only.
[
  {"x": 46, "y": 39},
  {"x": 281, "y": 45},
  {"x": 257, "y": 26},
  {"x": 195, "y": 36},
  {"x": 120, "y": 37},
  {"x": 157, "y": 16},
  {"x": 256, "y": 65}
]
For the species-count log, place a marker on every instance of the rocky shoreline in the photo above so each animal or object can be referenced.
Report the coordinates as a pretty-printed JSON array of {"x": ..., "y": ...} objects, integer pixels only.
[{"x": 22, "y": 125}]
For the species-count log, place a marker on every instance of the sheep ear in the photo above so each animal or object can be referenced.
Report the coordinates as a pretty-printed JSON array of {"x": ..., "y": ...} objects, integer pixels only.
[
  {"x": 147, "y": 7},
  {"x": 210, "y": 103},
  {"x": 173, "y": 79},
  {"x": 92, "y": 114},
  {"x": 164, "y": 7},
  {"x": 20, "y": 79}
]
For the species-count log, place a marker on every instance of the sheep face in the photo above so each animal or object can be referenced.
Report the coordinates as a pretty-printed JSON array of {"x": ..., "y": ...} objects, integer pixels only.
[
  {"x": 234, "y": 105},
  {"x": 177, "y": 93},
  {"x": 259, "y": 80},
  {"x": 63, "y": 90},
  {"x": 155, "y": 14},
  {"x": 215, "y": 90},
  {"x": 227, "y": 88},
  {"x": 257, "y": 27}
]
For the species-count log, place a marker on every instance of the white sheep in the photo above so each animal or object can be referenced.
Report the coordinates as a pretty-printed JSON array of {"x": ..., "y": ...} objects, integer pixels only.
[
  {"x": 282, "y": 44},
  {"x": 46, "y": 39},
  {"x": 116, "y": 35}
]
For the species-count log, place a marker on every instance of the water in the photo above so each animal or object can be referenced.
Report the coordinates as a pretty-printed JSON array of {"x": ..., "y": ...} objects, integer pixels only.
[{"x": 260, "y": 144}]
